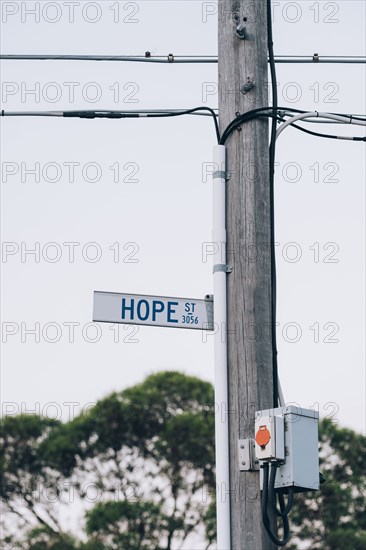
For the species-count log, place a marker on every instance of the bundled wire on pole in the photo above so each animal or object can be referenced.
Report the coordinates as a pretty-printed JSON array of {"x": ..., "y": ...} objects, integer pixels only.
[{"x": 263, "y": 112}]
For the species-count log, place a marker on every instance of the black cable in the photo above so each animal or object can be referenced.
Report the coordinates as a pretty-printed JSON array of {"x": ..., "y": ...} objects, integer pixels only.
[
  {"x": 191, "y": 111},
  {"x": 265, "y": 518},
  {"x": 99, "y": 114},
  {"x": 272, "y": 153},
  {"x": 241, "y": 120},
  {"x": 121, "y": 114},
  {"x": 246, "y": 117},
  {"x": 264, "y": 502},
  {"x": 282, "y": 111},
  {"x": 285, "y": 510},
  {"x": 318, "y": 134},
  {"x": 234, "y": 124}
]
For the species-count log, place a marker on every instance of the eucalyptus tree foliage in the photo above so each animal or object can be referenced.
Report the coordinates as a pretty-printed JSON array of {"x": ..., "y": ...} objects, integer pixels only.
[
  {"x": 334, "y": 518},
  {"x": 145, "y": 453},
  {"x": 138, "y": 468},
  {"x": 25, "y": 476}
]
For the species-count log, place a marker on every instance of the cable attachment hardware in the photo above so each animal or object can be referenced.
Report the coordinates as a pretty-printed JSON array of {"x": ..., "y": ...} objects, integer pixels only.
[
  {"x": 249, "y": 85},
  {"x": 241, "y": 31},
  {"x": 170, "y": 58},
  {"x": 220, "y": 174},
  {"x": 223, "y": 268},
  {"x": 246, "y": 454},
  {"x": 316, "y": 58}
]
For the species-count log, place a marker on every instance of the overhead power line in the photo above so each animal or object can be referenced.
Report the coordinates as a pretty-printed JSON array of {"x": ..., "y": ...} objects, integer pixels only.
[
  {"x": 314, "y": 114},
  {"x": 336, "y": 118},
  {"x": 171, "y": 58},
  {"x": 95, "y": 113},
  {"x": 316, "y": 58},
  {"x": 267, "y": 112},
  {"x": 89, "y": 114}
]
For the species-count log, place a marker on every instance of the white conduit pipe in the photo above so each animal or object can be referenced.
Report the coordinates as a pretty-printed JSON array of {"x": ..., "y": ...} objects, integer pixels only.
[{"x": 220, "y": 350}]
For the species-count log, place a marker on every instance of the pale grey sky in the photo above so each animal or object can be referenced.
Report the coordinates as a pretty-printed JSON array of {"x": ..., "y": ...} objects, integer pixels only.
[{"x": 161, "y": 214}]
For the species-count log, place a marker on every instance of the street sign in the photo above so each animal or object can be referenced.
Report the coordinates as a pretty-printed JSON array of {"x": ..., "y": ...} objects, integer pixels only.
[{"x": 160, "y": 311}]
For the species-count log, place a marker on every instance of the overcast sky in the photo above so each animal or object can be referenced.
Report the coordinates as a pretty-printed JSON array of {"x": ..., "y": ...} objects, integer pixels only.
[{"x": 124, "y": 206}]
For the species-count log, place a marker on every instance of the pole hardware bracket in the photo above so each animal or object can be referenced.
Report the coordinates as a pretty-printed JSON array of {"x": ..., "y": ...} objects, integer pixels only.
[
  {"x": 249, "y": 85},
  {"x": 222, "y": 268},
  {"x": 241, "y": 31},
  {"x": 246, "y": 454},
  {"x": 219, "y": 174}
]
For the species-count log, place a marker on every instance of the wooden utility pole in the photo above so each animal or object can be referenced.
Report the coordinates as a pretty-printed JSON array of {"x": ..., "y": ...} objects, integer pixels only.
[{"x": 243, "y": 86}]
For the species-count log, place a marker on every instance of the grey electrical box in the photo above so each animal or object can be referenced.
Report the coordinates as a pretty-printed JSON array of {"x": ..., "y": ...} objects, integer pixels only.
[{"x": 300, "y": 466}]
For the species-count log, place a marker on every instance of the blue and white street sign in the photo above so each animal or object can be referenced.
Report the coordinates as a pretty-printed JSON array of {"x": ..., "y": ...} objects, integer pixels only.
[{"x": 160, "y": 311}]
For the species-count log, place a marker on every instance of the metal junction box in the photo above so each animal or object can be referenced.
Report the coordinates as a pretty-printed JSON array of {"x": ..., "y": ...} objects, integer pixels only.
[{"x": 300, "y": 465}]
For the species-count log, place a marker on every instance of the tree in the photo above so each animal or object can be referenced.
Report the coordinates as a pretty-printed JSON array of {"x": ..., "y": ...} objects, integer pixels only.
[
  {"x": 335, "y": 517},
  {"x": 140, "y": 464},
  {"x": 43, "y": 538},
  {"x": 149, "y": 448},
  {"x": 133, "y": 525},
  {"x": 24, "y": 474}
]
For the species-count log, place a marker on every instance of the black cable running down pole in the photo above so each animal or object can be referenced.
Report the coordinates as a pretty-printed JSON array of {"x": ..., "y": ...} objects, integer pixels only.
[{"x": 272, "y": 153}]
